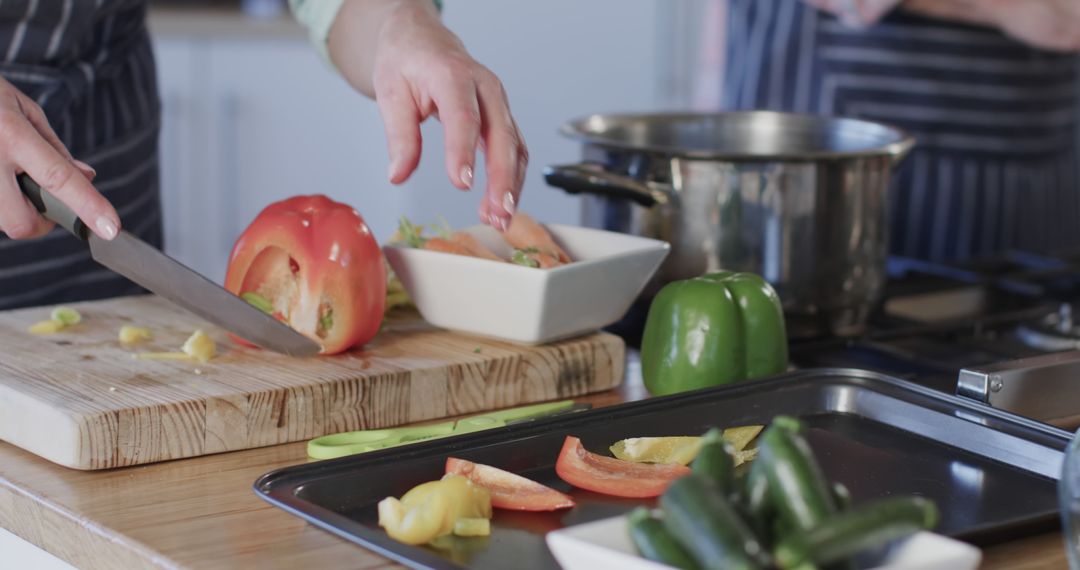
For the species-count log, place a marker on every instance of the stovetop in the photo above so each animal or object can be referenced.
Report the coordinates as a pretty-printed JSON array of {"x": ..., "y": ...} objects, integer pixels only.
[{"x": 937, "y": 319}]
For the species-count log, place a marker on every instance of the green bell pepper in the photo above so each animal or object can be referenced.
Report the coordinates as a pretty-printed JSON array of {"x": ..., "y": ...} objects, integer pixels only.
[{"x": 711, "y": 330}]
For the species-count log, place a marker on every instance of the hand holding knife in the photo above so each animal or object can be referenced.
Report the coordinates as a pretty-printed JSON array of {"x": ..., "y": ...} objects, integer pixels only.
[{"x": 150, "y": 268}]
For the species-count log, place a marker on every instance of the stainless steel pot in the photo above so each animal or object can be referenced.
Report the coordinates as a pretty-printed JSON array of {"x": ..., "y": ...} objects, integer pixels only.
[{"x": 799, "y": 199}]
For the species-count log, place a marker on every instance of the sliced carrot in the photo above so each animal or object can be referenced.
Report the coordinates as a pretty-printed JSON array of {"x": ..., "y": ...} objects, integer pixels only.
[
  {"x": 474, "y": 246},
  {"x": 446, "y": 246},
  {"x": 539, "y": 258},
  {"x": 526, "y": 234}
]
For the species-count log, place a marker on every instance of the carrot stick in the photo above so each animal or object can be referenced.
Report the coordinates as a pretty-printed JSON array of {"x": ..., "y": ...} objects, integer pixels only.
[
  {"x": 526, "y": 234},
  {"x": 474, "y": 246}
]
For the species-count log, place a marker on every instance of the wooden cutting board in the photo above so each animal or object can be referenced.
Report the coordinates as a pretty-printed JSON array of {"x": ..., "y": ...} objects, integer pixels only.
[{"x": 80, "y": 399}]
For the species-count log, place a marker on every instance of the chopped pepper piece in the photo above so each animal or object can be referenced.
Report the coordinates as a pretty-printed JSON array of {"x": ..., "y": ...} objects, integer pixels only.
[
  {"x": 472, "y": 527},
  {"x": 130, "y": 334},
  {"x": 66, "y": 316},
  {"x": 509, "y": 490},
  {"x": 200, "y": 346},
  {"x": 611, "y": 476},
  {"x": 432, "y": 509},
  {"x": 679, "y": 449},
  {"x": 46, "y": 327}
]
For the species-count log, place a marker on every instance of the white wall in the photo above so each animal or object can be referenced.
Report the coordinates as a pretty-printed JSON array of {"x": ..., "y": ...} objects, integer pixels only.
[{"x": 253, "y": 118}]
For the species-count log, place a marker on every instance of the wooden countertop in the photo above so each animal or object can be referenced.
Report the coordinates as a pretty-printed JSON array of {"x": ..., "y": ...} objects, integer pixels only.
[{"x": 202, "y": 513}]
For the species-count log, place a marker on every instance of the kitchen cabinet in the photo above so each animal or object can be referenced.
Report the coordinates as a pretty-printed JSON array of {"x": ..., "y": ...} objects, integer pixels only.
[{"x": 251, "y": 114}]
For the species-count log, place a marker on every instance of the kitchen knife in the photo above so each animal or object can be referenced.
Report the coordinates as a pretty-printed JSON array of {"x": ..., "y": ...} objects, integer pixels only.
[{"x": 145, "y": 265}]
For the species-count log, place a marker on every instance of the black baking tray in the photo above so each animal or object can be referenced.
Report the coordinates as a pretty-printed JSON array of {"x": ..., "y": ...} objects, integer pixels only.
[{"x": 992, "y": 474}]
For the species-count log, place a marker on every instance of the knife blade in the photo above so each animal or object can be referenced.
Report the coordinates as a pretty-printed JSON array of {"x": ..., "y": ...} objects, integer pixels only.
[{"x": 164, "y": 276}]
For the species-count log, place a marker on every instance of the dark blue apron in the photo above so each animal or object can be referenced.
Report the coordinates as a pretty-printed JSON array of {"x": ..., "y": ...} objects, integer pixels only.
[
  {"x": 996, "y": 166},
  {"x": 89, "y": 64}
]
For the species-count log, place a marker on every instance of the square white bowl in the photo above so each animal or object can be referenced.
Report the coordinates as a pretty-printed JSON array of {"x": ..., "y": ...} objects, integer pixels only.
[
  {"x": 606, "y": 544},
  {"x": 524, "y": 304}
]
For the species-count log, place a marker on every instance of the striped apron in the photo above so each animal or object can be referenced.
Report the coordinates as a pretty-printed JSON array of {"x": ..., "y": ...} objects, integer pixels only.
[
  {"x": 996, "y": 164},
  {"x": 89, "y": 64}
]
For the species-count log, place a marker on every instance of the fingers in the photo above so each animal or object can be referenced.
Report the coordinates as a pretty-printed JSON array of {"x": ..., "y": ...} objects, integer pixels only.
[
  {"x": 18, "y": 218},
  {"x": 459, "y": 113},
  {"x": 33, "y": 113},
  {"x": 506, "y": 154},
  {"x": 401, "y": 120},
  {"x": 56, "y": 174}
]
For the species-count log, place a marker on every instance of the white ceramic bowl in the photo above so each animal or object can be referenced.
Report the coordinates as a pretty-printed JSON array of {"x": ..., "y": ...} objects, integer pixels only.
[
  {"x": 606, "y": 544},
  {"x": 525, "y": 304}
]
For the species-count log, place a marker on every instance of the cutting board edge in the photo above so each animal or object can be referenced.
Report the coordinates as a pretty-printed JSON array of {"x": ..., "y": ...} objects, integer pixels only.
[{"x": 66, "y": 425}]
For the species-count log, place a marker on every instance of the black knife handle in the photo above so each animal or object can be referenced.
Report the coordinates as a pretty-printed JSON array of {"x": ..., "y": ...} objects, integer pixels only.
[{"x": 51, "y": 208}]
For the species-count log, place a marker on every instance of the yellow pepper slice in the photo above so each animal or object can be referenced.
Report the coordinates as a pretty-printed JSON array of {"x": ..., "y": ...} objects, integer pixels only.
[
  {"x": 432, "y": 509},
  {"x": 740, "y": 437},
  {"x": 130, "y": 334},
  {"x": 472, "y": 527},
  {"x": 679, "y": 449},
  {"x": 682, "y": 449},
  {"x": 46, "y": 327},
  {"x": 200, "y": 346}
]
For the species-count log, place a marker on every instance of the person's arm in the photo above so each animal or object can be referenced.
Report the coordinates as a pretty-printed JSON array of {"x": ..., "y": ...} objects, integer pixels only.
[
  {"x": 1047, "y": 24},
  {"x": 28, "y": 144},
  {"x": 399, "y": 53}
]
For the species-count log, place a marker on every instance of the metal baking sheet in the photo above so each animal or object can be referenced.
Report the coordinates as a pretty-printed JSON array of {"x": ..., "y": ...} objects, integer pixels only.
[{"x": 992, "y": 474}]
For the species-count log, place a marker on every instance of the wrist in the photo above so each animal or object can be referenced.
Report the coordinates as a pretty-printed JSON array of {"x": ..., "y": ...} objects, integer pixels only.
[{"x": 406, "y": 15}]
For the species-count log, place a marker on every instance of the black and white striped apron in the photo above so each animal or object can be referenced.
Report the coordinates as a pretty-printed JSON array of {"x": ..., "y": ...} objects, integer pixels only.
[
  {"x": 996, "y": 164},
  {"x": 89, "y": 64}
]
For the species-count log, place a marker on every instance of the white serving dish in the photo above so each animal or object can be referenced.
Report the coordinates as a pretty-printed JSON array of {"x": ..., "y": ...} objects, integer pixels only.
[
  {"x": 606, "y": 544},
  {"x": 525, "y": 304}
]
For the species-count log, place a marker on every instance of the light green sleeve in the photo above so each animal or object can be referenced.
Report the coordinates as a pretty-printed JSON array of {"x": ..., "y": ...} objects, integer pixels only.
[{"x": 317, "y": 16}]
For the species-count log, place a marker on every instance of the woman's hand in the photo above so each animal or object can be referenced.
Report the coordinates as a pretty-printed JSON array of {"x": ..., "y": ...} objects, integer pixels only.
[
  {"x": 400, "y": 53},
  {"x": 28, "y": 144}
]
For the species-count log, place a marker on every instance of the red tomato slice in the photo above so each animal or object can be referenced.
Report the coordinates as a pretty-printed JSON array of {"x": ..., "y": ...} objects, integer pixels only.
[
  {"x": 510, "y": 491},
  {"x": 611, "y": 476}
]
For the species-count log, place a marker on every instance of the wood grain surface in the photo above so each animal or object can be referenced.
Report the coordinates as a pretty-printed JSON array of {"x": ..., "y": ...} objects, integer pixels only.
[
  {"x": 80, "y": 399},
  {"x": 201, "y": 513}
]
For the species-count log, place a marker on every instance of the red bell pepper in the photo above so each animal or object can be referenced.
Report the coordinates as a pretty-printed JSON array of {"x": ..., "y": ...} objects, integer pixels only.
[
  {"x": 312, "y": 263},
  {"x": 610, "y": 476},
  {"x": 508, "y": 490}
]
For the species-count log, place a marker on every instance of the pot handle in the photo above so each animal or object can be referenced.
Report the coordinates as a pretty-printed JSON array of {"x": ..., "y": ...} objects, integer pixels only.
[
  {"x": 903, "y": 149},
  {"x": 587, "y": 178}
]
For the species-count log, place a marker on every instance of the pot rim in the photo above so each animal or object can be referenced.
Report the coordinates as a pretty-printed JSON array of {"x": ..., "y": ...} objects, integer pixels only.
[{"x": 583, "y": 129}]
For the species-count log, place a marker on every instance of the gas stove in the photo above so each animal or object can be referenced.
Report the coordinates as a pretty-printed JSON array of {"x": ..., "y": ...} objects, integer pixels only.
[{"x": 939, "y": 322}]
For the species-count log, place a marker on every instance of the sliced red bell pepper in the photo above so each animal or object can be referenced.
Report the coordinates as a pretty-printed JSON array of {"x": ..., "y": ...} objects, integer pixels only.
[
  {"x": 611, "y": 476},
  {"x": 315, "y": 264},
  {"x": 508, "y": 490}
]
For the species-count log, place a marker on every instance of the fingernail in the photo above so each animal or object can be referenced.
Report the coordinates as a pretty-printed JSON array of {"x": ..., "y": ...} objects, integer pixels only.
[
  {"x": 392, "y": 170},
  {"x": 466, "y": 176},
  {"x": 501, "y": 223},
  {"x": 105, "y": 227},
  {"x": 509, "y": 204},
  {"x": 86, "y": 167}
]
